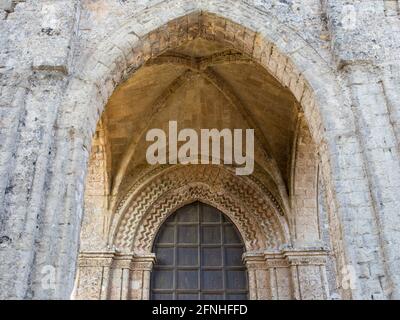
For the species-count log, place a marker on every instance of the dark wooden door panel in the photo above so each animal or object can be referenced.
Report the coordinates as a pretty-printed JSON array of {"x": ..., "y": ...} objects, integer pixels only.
[{"x": 199, "y": 256}]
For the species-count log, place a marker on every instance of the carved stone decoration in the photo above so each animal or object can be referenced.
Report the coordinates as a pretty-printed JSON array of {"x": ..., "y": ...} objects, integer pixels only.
[
  {"x": 238, "y": 197},
  {"x": 112, "y": 275},
  {"x": 172, "y": 201},
  {"x": 142, "y": 197},
  {"x": 93, "y": 273},
  {"x": 61, "y": 63},
  {"x": 275, "y": 269},
  {"x": 287, "y": 274}
]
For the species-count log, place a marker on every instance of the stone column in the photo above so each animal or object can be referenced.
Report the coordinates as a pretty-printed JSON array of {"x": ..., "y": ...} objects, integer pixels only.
[
  {"x": 375, "y": 111},
  {"x": 93, "y": 275},
  {"x": 37, "y": 237},
  {"x": 369, "y": 155},
  {"x": 119, "y": 283},
  {"x": 258, "y": 274},
  {"x": 115, "y": 276},
  {"x": 279, "y": 275},
  {"x": 308, "y": 274},
  {"x": 286, "y": 275},
  {"x": 140, "y": 276}
]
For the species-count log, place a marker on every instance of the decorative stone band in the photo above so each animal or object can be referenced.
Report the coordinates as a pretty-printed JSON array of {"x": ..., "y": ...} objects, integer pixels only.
[
  {"x": 117, "y": 260},
  {"x": 95, "y": 259},
  {"x": 306, "y": 257},
  {"x": 120, "y": 276},
  {"x": 242, "y": 200},
  {"x": 286, "y": 258},
  {"x": 287, "y": 274}
]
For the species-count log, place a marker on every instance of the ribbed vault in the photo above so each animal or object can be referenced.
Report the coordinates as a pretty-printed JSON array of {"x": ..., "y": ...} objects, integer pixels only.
[{"x": 213, "y": 86}]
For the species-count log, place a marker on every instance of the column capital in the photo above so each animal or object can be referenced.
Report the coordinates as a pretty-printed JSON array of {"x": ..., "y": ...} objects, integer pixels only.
[
  {"x": 254, "y": 260},
  {"x": 306, "y": 256},
  {"x": 114, "y": 259},
  {"x": 143, "y": 261},
  {"x": 95, "y": 259},
  {"x": 286, "y": 258}
]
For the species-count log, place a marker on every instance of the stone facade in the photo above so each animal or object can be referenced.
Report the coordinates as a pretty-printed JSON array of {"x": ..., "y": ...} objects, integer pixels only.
[{"x": 82, "y": 80}]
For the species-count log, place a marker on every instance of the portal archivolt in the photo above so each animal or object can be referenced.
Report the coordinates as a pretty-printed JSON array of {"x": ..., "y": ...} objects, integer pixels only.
[{"x": 203, "y": 71}]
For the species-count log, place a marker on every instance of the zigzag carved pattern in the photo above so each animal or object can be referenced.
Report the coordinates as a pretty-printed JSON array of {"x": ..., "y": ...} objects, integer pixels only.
[
  {"x": 133, "y": 216},
  {"x": 257, "y": 205},
  {"x": 146, "y": 173},
  {"x": 248, "y": 197},
  {"x": 153, "y": 191},
  {"x": 160, "y": 211}
]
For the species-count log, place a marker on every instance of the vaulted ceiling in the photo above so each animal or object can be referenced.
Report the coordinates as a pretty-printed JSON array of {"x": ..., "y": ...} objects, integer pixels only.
[{"x": 202, "y": 84}]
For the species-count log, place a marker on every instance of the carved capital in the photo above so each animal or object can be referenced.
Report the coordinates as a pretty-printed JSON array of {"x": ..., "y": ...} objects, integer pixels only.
[
  {"x": 117, "y": 260},
  {"x": 306, "y": 257},
  {"x": 144, "y": 262},
  {"x": 293, "y": 257},
  {"x": 95, "y": 259},
  {"x": 254, "y": 260}
]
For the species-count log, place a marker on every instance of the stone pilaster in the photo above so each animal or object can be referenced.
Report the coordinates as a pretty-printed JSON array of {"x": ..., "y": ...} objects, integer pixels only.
[
  {"x": 111, "y": 275},
  {"x": 120, "y": 279},
  {"x": 308, "y": 274},
  {"x": 258, "y": 276},
  {"x": 93, "y": 275},
  {"x": 288, "y": 274},
  {"x": 280, "y": 285},
  {"x": 140, "y": 276}
]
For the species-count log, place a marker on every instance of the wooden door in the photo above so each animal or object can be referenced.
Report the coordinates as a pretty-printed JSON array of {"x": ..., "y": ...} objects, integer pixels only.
[{"x": 199, "y": 257}]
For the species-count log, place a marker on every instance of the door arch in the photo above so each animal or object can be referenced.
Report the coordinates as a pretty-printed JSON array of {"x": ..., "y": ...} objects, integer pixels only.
[
  {"x": 275, "y": 57},
  {"x": 198, "y": 256}
]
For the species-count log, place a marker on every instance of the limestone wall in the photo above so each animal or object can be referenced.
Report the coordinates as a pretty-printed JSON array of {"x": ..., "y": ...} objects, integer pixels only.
[{"x": 61, "y": 60}]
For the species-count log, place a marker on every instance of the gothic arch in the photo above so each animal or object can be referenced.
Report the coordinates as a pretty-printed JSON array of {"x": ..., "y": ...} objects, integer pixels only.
[
  {"x": 305, "y": 222},
  {"x": 165, "y": 206},
  {"x": 59, "y": 82},
  {"x": 305, "y": 73},
  {"x": 253, "y": 212},
  {"x": 278, "y": 49}
]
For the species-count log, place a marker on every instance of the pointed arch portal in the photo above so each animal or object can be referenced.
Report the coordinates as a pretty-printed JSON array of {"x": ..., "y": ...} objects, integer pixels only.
[
  {"x": 206, "y": 64},
  {"x": 205, "y": 71}
]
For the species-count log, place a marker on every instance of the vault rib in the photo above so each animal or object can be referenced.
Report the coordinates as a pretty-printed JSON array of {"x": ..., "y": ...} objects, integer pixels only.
[
  {"x": 198, "y": 64},
  {"x": 157, "y": 106},
  {"x": 202, "y": 67},
  {"x": 222, "y": 85}
]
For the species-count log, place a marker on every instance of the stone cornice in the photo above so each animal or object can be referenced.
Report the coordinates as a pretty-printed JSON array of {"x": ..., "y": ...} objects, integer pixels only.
[{"x": 286, "y": 258}]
